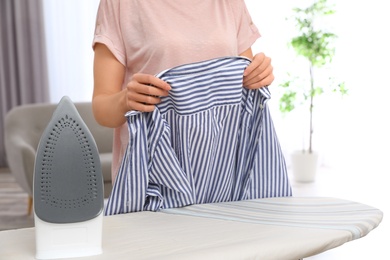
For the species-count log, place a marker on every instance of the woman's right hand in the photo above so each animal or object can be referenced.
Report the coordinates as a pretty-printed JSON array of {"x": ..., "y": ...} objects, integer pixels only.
[{"x": 144, "y": 92}]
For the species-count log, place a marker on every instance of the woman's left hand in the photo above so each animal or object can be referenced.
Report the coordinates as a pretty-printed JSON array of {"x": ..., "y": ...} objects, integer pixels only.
[{"x": 259, "y": 73}]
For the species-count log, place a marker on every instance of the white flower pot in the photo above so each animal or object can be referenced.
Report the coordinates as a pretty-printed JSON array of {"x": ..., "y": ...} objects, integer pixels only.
[{"x": 304, "y": 166}]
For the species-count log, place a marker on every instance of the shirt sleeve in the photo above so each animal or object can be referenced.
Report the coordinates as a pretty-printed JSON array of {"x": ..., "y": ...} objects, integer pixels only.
[
  {"x": 247, "y": 32},
  {"x": 108, "y": 29}
]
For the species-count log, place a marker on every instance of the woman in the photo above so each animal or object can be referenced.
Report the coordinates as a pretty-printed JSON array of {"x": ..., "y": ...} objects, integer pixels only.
[{"x": 136, "y": 39}]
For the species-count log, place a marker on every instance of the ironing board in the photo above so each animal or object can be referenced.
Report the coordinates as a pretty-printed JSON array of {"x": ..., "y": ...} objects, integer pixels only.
[{"x": 270, "y": 228}]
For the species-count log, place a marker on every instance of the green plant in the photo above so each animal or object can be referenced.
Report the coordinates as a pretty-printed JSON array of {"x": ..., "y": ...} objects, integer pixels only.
[{"x": 315, "y": 45}]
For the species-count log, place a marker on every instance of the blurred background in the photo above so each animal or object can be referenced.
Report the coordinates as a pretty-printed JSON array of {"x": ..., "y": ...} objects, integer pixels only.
[{"x": 350, "y": 132}]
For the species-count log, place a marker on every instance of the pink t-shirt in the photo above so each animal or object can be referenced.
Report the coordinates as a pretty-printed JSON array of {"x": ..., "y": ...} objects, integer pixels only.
[{"x": 149, "y": 36}]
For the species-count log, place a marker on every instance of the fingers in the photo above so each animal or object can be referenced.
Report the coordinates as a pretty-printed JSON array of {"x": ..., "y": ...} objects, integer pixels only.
[
  {"x": 259, "y": 73},
  {"x": 144, "y": 92},
  {"x": 256, "y": 62},
  {"x": 264, "y": 78}
]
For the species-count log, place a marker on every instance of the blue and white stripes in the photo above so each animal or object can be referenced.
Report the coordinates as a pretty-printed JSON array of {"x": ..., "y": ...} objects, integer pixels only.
[
  {"x": 201, "y": 86},
  {"x": 210, "y": 140}
]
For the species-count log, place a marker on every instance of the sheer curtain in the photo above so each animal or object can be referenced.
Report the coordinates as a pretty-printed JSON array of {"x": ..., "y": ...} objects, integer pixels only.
[
  {"x": 23, "y": 74},
  {"x": 69, "y": 26}
]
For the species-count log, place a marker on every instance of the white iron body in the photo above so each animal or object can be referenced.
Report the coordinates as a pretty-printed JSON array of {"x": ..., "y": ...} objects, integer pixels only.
[{"x": 55, "y": 241}]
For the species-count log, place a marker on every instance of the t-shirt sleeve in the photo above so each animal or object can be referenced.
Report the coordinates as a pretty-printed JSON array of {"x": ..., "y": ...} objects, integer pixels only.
[
  {"x": 108, "y": 29},
  {"x": 247, "y": 32}
]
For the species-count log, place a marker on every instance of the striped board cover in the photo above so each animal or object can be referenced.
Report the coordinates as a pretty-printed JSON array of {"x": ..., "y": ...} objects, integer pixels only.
[
  {"x": 302, "y": 212},
  {"x": 287, "y": 228}
]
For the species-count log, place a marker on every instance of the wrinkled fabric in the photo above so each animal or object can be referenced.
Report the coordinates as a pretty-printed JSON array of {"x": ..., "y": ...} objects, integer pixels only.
[{"x": 210, "y": 140}]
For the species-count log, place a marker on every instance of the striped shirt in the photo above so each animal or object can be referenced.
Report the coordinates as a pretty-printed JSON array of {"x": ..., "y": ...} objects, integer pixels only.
[{"x": 210, "y": 140}]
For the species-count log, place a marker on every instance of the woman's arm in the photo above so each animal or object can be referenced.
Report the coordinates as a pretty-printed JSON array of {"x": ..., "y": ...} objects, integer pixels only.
[{"x": 109, "y": 100}]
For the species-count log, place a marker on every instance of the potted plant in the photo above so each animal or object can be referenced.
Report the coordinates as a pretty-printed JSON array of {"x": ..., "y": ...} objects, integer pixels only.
[{"x": 315, "y": 45}]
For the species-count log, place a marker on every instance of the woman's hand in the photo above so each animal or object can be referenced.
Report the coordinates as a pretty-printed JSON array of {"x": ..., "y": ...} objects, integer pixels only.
[
  {"x": 110, "y": 102},
  {"x": 259, "y": 73},
  {"x": 144, "y": 91}
]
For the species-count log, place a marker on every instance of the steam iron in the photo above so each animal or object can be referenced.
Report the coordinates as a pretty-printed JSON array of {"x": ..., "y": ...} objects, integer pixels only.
[{"x": 68, "y": 188}]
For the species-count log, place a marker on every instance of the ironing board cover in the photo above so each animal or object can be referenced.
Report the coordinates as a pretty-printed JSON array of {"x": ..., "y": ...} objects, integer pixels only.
[{"x": 210, "y": 140}]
